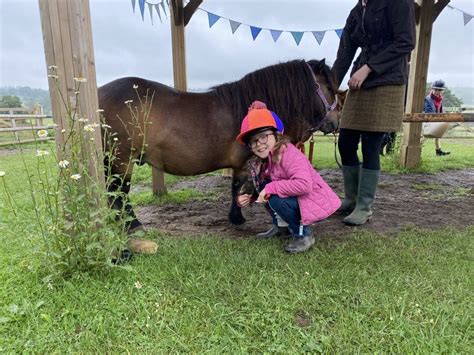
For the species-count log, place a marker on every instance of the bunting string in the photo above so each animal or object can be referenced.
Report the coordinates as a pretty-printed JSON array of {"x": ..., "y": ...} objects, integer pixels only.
[{"x": 160, "y": 6}]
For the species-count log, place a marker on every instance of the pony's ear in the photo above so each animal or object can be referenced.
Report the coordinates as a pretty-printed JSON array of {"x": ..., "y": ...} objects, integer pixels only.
[{"x": 321, "y": 64}]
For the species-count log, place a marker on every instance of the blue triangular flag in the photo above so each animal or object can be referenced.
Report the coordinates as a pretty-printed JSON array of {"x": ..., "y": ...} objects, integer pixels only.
[
  {"x": 255, "y": 31},
  {"x": 297, "y": 36},
  {"x": 150, "y": 10},
  {"x": 234, "y": 25},
  {"x": 467, "y": 18},
  {"x": 339, "y": 32},
  {"x": 319, "y": 35},
  {"x": 133, "y": 5},
  {"x": 212, "y": 19},
  {"x": 142, "y": 8},
  {"x": 157, "y": 8},
  {"x": 275, "y": 34}
]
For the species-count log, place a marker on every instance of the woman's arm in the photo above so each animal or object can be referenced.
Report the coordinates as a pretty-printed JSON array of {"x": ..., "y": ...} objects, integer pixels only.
[{"x": 346, "y": 52}]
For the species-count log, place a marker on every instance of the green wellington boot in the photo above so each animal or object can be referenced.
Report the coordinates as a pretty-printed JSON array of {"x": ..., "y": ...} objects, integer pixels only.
[
  {"x": 351, "y": 187},
  {"x": 369, "y": 180}
]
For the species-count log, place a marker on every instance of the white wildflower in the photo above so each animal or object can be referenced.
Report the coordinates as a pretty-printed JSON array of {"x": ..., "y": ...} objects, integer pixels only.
[
  {"x": 138, "y": 285},
  {"x": 128, "y": 102},
  {"x": 89, "y": 128},
  {"x": 50, "y": 286},
  {"x": 42, "y": 133},
  {"x": 92, "y": 139},
  {"x": 115, "y": 139},
  {"x": 76, "y": 176},
  {"x": 306, "y": 273},
  {"x": 52, "y": 76},
  {"x": 40, "y": 152},
  {"x": 2, "y": 173},
  {"x": 63, "y": 164},
  {"x": 106, "y": 126},
  {"x": 83, "y": 120},
  {"x": 135, "y": 86},
  {"x": 80, "y": 80},
  {"x": 63, "y": 131},
  {"x": 99, "y": 110}
]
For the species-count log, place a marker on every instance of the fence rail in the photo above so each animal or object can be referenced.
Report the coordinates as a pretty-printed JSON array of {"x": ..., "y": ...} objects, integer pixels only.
[{"x": 21, "y": 119}]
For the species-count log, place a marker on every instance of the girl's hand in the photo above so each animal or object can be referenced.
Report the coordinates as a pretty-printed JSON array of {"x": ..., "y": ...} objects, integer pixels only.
[
  {"x": 358, "y": 78},
  {"x": 263, "y": 197},
  {"x": 243, "y": 200}
]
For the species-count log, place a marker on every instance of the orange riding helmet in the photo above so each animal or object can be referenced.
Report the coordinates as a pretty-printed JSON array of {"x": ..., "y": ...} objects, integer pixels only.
[{"x": 257, "y": 118}]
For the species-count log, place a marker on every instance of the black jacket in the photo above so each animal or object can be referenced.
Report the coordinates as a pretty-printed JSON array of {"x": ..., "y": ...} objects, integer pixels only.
[{"x": 386, "y": 35}]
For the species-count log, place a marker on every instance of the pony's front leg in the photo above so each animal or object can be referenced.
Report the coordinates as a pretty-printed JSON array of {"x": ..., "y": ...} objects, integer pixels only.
[{"x": 235, "y": 213}]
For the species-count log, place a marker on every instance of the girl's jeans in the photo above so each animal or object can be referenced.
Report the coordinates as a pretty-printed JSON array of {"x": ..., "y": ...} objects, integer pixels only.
[{"x": 289, "y": 210}]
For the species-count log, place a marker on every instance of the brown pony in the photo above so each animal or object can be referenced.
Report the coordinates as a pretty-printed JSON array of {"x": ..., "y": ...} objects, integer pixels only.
[{"x": 194, "y": 133}]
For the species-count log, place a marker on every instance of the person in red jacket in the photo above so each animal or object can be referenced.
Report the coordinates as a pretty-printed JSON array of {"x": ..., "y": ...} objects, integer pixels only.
[
  {"x": 284, "y": 179},
  {"x": 434, "y": 104}
]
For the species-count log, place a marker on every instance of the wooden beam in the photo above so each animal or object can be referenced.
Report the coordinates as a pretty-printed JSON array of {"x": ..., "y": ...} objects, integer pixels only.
[
  {"x": 177, "y": 10},
  {"x": 189, "y": 10},
  {"x": 439, "y": 117},
  {"x": 67, "y": 37},
  {"x": 439, "y": 7},
  {"x": 410, "y": 153}
]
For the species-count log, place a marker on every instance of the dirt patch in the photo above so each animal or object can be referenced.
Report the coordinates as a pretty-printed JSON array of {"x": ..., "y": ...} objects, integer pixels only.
[{"x": 403, "y": 201}]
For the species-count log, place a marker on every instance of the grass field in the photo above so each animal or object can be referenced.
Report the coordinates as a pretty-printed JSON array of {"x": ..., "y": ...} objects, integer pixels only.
[{"x": 405, "y": 293}]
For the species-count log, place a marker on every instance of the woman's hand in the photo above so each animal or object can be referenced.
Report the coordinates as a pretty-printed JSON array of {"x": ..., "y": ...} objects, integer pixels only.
[
  {"x": 262, "y": 197},
  {"x": 358, "y": 78},
  {"x": 244, "y": 200}
]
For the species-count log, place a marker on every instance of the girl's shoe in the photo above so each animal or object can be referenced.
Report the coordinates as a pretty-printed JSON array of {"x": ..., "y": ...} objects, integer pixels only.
[
  {"x": 273, "y": 231},
  {"x": 300, "y": 244}
]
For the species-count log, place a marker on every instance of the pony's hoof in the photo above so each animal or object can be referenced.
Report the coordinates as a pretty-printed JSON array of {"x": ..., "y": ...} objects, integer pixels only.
[
  {"x": 135, "y": 226},
  {"x": 123, "y": 257},
  {"x": 140, "y": 246},
  {"x": 237, "y": 220}
]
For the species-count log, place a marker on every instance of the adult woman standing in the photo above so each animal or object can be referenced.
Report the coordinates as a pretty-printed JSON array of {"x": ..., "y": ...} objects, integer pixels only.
[{"x": 385, "y": 32}]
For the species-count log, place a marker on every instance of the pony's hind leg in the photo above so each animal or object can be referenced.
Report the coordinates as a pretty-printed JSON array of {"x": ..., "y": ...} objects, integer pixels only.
[{"x": 235, "y": 214}]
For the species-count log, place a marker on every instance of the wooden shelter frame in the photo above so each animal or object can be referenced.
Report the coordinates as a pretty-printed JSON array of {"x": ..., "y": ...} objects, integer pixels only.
[{"x": 68, "y": 45}]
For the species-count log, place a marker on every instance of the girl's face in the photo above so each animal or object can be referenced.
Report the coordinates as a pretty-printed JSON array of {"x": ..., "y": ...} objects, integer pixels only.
[{"x": 262, "y": 143}]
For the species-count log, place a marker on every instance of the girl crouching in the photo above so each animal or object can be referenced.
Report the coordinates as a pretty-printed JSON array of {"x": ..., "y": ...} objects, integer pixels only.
[{"x": 284, "y": 179}]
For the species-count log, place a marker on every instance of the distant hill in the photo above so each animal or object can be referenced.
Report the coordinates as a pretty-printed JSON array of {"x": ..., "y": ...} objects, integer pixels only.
[
  {"x": 29, "y": 96},
  {"x": 466, "y": 94}
]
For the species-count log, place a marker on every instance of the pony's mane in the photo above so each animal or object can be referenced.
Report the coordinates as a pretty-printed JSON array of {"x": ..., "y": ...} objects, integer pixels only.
[{"x": 284, "y": 87}]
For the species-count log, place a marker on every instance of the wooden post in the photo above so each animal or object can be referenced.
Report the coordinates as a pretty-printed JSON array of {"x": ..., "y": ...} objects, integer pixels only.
[
  {"x": 179, "y": 73},
  {"x": 67, "y": 37},
  {"x": 13, "y": 122},
  {"x": 410, "y": 153}
]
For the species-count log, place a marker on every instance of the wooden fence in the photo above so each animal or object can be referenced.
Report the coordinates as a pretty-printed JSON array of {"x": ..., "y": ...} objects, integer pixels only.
[{"x": 21, "y": 119}]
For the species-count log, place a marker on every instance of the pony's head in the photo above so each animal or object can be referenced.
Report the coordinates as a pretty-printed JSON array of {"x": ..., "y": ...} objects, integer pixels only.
[
  {"x": 290, "y": 89},
  {"x": 331, "y": 97}
]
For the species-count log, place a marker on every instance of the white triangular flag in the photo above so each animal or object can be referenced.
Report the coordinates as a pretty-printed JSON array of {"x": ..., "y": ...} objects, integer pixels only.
[
  {"x": 150, "y": 10},
  {"x": 157, "y": 8}
]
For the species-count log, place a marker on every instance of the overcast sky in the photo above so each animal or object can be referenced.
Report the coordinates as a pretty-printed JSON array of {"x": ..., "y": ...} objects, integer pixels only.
[{"x": 125, "y": 45}]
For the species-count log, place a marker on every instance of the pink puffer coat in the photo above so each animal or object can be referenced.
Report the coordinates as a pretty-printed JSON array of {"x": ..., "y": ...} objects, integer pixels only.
[{"x": 294, "y": 175}]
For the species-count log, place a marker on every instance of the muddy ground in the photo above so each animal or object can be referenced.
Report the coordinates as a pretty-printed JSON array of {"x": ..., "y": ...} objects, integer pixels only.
[{"x": 403, "y": 201}]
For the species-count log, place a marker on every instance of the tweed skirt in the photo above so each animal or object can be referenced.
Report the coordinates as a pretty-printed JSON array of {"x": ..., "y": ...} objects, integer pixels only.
[{"x": 377, "y": 109}]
